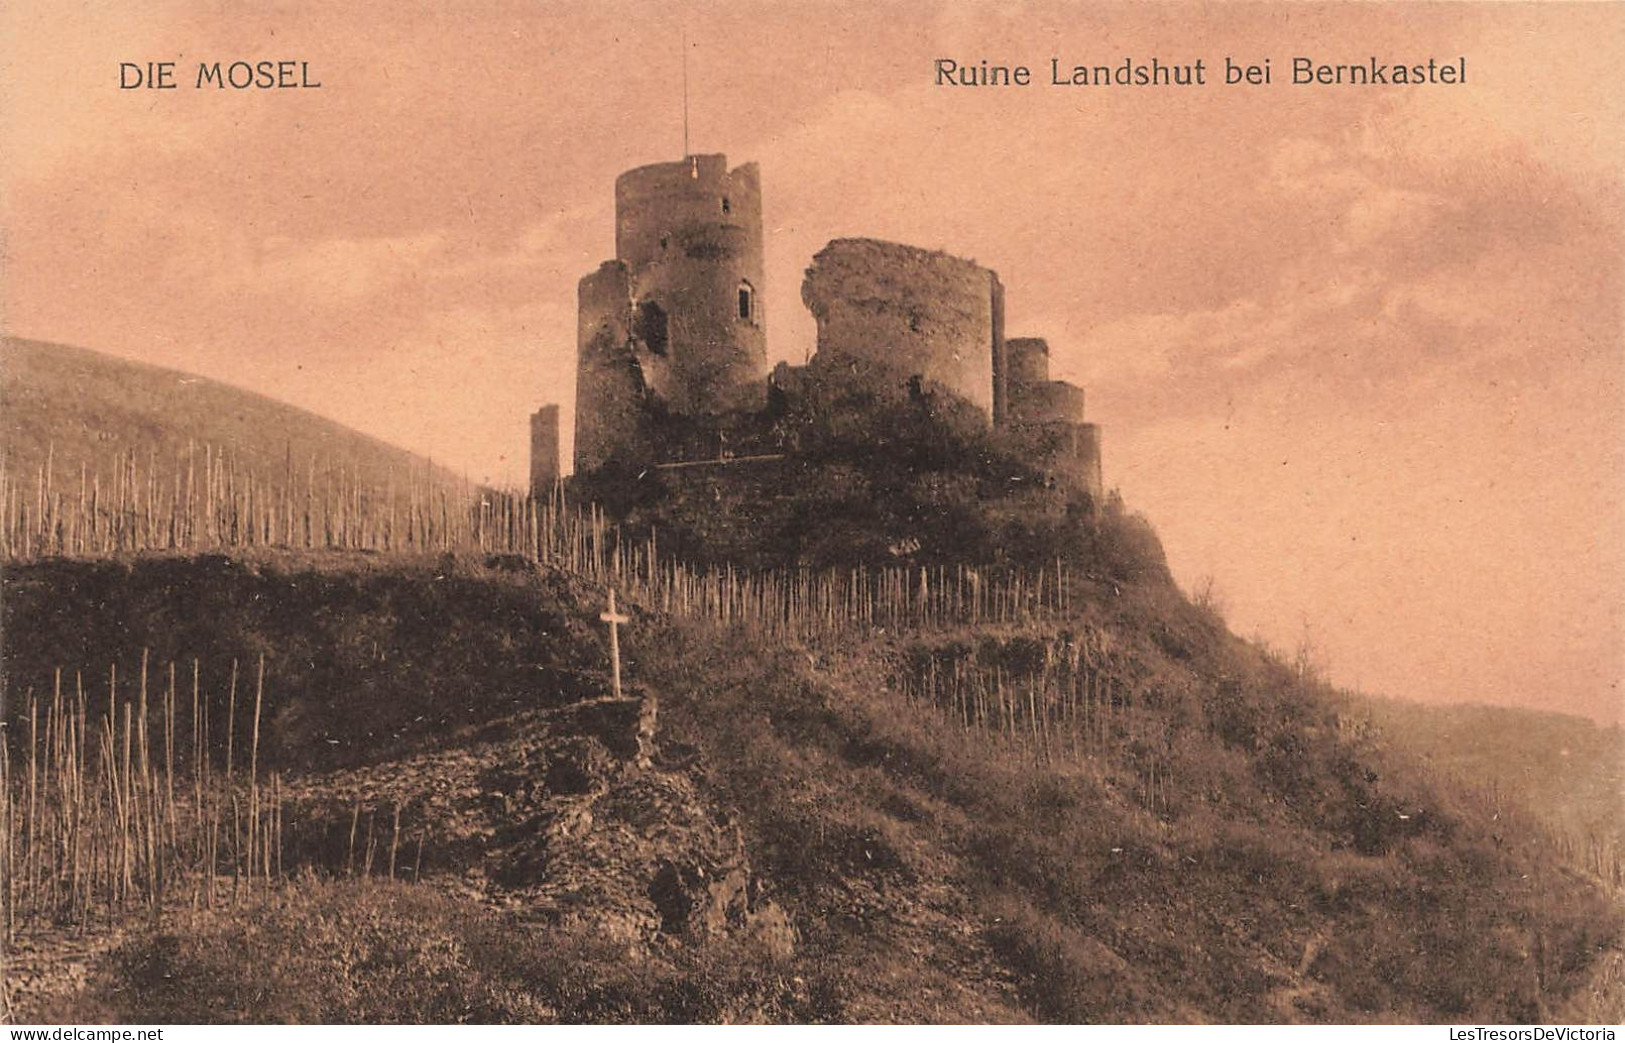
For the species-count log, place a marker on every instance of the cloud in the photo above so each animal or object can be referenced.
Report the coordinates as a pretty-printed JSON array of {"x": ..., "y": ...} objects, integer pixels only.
[{"x": 330, "y": 271}]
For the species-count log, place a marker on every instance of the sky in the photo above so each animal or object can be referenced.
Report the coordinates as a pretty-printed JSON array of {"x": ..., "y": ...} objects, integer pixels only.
[{"x": 1357, "y": 351}]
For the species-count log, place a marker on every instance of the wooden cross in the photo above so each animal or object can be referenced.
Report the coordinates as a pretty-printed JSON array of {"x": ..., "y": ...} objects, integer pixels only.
[{"x": 615, "y": 619}]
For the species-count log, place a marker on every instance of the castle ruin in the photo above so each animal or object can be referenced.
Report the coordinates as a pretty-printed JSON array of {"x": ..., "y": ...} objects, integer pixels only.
[{"x": 671, "y": 363}]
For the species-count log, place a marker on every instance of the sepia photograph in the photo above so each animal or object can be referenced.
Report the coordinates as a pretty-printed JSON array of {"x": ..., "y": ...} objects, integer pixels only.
[{"x": 1019, "y": 512}]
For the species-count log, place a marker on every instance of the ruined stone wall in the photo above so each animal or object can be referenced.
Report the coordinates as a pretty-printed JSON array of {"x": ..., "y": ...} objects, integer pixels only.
[
  {"x": 1085, "y": 457},
  {"x": 690, "y": 235},
  {"x": 887, "y": 313},
  {"x": 609, "y": 378},
  {"x": 1045, "y": 402},
  {"x": 1028, "y": 360},
  {"x": 1046, "y": 418},
  {"x": 1068, "y": 450},
  {"x": 544, "y": 450}
]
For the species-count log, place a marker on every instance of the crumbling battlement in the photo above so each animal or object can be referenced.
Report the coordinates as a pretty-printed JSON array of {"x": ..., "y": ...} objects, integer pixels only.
[
  {"x": 889, "y": 313},
  {"x": 694, "y": 195}
]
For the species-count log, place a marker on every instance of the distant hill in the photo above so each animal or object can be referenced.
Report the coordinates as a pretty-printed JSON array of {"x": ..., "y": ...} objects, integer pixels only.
[
  {"x": 81, "y": 408},
  {"x": 1568, "y": 771}
]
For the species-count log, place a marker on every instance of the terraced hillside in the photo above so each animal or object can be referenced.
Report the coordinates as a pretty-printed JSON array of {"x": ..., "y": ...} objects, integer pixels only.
[{"x": 1124, "y": 814}]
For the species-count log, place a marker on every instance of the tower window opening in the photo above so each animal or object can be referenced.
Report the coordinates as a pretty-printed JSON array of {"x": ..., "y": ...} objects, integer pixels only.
[
  {"x": 727, "y": 207},
  {"x": 747, "y": 302},
  {"x": 651, "y": 327},
  {"x": 665, "y": 240}
]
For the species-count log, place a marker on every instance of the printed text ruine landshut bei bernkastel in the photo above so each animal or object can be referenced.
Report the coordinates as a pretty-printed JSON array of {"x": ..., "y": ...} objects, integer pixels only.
[{"x": 1229, "y": 71}]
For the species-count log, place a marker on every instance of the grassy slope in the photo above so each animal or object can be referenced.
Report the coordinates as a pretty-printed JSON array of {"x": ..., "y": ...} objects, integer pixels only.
[
  {"x": 82, "y": 407},
  {"x": 1290, "y": 878},
  {"x": 1291, "y": 874}
]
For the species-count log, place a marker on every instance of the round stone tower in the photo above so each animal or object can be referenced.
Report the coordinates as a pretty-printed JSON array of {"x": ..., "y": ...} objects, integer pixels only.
[{"x": 690, "y": 236}]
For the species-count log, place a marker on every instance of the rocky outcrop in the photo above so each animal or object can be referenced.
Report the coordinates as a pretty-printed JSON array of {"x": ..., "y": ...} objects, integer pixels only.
[{"x": 564, "y": 817}]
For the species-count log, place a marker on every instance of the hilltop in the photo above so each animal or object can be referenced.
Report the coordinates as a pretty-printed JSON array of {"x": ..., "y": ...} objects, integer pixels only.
[{"x": 78, "y": 407}]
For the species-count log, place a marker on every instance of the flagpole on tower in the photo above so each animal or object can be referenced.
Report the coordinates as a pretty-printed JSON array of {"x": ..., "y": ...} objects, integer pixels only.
[{"x": 685, "y": 92}]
